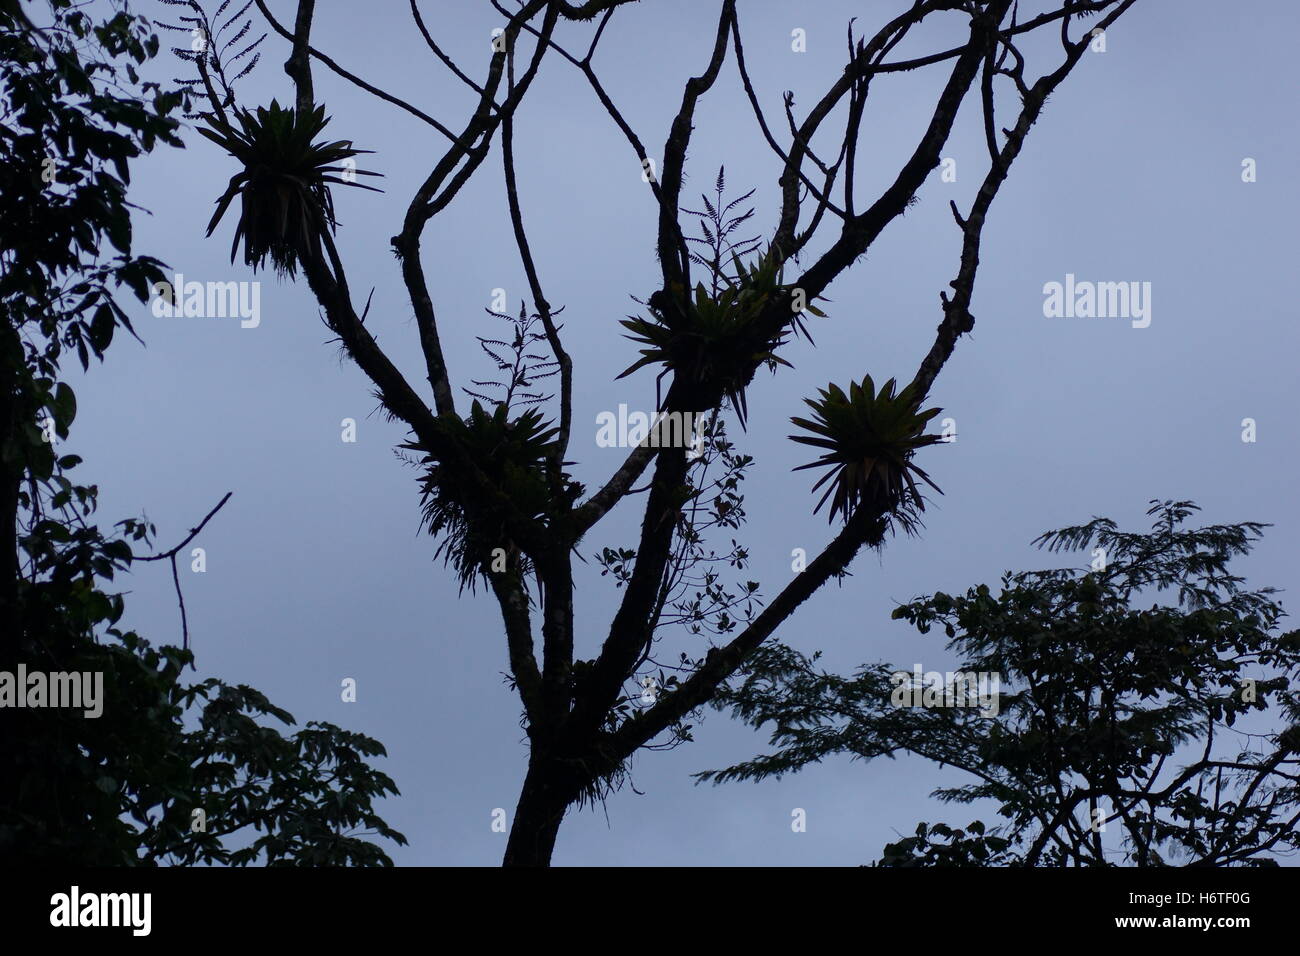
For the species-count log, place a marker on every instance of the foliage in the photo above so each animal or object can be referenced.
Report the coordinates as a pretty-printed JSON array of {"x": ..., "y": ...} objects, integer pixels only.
[
  {"x": 694, "y": 591},
  {"x": 494, "y": 483},
  {"x": 515, "y": 360},
  {"x": 74, "y": 113},
  {"x": 718, "y": 225},
  {"x": 1110, "y": 711},
  {"x": 217, "y": 44},
  {"x": 123, "y": 789},
  {"x": 715, "y": 342},
  {"x": 945, "y": 846},
  {"x": 511, "y": 454},
  {"x": 117, "y": 789},
  {"x": 285, "y": 201},
  {"x": 870, "y": 439},
  {"x": 307, "y": 797},
  {"x": 694, "y": 594}
]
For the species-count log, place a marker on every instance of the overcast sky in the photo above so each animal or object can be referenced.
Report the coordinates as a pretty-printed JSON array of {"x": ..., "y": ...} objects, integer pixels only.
[{"x": 316, "y": 570}]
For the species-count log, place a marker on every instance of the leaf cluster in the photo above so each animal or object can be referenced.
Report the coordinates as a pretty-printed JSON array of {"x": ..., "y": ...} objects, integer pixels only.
[
  {"x": 869, "y": 439},
  {"x": 285, "y": 201}
]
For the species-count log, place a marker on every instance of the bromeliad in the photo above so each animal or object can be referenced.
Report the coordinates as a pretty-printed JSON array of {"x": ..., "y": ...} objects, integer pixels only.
[
  {"x": 286, "y": 205},
  {"x": 870, "y": 438},
  {"x": 714, "y": 344}
]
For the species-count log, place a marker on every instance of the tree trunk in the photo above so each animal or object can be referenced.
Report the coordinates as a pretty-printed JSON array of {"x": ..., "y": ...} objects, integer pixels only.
[
  {"x": 546, "y": 794},
  {"x": 11, "y": 473}
]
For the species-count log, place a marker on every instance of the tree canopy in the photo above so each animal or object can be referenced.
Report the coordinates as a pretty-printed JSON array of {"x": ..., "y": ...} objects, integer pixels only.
[
  {"x": 499, "y": 489},
  {"x": 166, "y": 772},
  {"x": 1125, "y": 733}
]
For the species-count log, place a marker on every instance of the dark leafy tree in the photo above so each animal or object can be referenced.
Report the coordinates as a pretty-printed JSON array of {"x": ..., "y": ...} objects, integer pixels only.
[
  {"x": 266, "y": 798},
  {"x": 945, "y": 846},
  {"x": 705, "y": 336},
  {"x": 1174, "y": 724},
  {"x": 167, "y": 773}
]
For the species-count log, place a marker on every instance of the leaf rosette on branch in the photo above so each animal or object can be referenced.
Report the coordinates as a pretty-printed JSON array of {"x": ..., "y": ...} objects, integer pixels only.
[
  {"x": 509, "y": 453},
  {"x": 870, "y": 438},
  {"x": 714, "y": 344},
  {"x": 285, "y": 201}
]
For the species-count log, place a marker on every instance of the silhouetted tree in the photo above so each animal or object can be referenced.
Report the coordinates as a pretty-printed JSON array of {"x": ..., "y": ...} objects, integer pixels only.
[
  {"x": 497, "y": 485},
  {"x": 1178, "y": 724},
  {"x": 131, "y": 785}
]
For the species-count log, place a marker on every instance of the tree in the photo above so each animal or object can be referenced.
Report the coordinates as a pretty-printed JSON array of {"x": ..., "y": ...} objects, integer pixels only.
[
  {"x": 497, "y": 485},
  {"x": 132, "y": 784},
  {"x": 1179, "y": 723}
]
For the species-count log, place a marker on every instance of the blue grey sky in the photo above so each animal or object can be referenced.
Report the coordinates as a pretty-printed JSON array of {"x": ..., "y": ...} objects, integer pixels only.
[{"x": 316, "y": 570}]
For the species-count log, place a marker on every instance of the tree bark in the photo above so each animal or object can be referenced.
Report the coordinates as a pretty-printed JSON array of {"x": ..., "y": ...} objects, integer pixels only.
[
  {"x": 11, "y": 472},
  {"x": 546, "y": 794}
]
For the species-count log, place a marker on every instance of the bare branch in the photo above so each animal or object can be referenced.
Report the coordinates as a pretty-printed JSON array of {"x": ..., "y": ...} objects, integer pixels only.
[
  {"x": 170, "y": 555},
  {"x": 350, "y": 77},
  {"x": 513, "y": 598},
  {"x": 471, "y": 147},
  {"x": 194, "y": 533},
  {"x": 542, "y": 306},
  {"x": 298, "y": 66},
  {"x": 673, "y": 256},
  {"x": 585, "y": 66},
  {"x": 437, "y": 51},
  {"x": 599, "y": 504},
  {"x": 589, "y": 9}
]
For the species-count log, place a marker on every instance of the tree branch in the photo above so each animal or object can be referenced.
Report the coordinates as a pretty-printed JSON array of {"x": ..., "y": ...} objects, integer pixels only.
[{"x": 350, "y": 77}]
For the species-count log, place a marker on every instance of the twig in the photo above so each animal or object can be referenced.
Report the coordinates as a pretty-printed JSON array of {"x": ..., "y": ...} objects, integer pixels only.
[{"x": 176, "y": 580}]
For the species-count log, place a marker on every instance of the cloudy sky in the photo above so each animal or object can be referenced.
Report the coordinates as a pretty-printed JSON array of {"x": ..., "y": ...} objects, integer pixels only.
[{"x": 316, "y": 570}]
